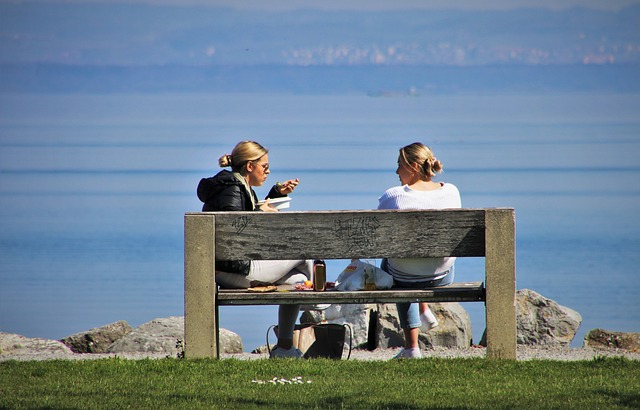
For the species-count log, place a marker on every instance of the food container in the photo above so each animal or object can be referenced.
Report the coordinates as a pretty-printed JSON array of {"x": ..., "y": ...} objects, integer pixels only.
[{"x": 278, "y": 203}]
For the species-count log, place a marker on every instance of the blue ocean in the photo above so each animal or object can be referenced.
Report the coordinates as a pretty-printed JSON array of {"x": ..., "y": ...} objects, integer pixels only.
[{"x": 93, "y": 190}]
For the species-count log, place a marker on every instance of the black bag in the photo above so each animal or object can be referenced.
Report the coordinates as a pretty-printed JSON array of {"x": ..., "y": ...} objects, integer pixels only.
[{"x": 320, "y": 340}]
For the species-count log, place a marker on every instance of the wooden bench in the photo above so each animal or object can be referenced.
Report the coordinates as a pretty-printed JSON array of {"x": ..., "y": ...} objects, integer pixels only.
[{"x": 488, "y": 233}]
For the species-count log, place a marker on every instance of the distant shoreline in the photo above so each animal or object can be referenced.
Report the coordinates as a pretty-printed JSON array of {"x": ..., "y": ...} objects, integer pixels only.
[{"x": 384, "y": 80}]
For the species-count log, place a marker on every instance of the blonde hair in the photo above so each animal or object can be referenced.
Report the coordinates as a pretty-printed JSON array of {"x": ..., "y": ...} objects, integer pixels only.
[
  {"x": 242, "y": 153},
  {"x": 428, "y": 164}
]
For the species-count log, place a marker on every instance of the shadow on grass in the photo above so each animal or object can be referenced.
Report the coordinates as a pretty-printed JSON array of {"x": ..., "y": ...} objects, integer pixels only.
[
  {"x": 329, "y": 403},
  {"x": 630, "y": 400}
]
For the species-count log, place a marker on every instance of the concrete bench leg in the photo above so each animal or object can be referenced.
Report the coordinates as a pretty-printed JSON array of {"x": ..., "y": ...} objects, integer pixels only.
[
  {"x": 500, "y": 284},
  {"x": 200, "y": 318}
]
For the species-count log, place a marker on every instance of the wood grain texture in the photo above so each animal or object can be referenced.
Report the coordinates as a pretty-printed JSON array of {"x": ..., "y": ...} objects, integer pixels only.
[
  {"x": 456, "y": 292},
  {"x": 349, "y": 234}
]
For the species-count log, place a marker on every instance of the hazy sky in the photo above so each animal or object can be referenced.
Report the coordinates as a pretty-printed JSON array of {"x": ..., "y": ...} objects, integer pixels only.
[{"x": 383, "y": 4}]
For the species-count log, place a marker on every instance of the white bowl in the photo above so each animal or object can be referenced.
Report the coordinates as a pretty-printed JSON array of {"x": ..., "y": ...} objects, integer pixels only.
[{"x": 278, "y": 203}]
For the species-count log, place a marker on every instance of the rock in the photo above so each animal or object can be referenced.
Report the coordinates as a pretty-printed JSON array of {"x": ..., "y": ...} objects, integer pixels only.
[
  {"x": 230, "y": 342},
  {"x": 312, "y": 317},
  {"x": 166, "y": 336},
  {"x": 17, "y": 345},
  {"x": 97, "y": 340},
  {"x": 454, "y": 329},
  {"x": 605, "y": 339},
  {"x": 157, "y": 336},
  {"x": 541, "y": 321},
  {"x": 356, "y": 316},
  {"x": 263, "y": 349}
]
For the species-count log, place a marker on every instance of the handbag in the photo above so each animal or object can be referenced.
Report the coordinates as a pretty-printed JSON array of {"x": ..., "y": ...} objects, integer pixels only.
[{"x": 325, "y": 340}]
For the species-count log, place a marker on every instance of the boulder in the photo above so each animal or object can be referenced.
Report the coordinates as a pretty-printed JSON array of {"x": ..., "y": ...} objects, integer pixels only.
[
  {"x": 166, "y": 335},
  {"x": 454, "y": 329},
  {"x": 541, "y": 321},
  {"x": 356, "y": 316},
  {"x": 605, "y": 339},
  {"x": 230, "y": 342},
  {"x": 16, "y": 345},
  {"x": 97, "y": 340},
  {"x": 377, "y": 325}
]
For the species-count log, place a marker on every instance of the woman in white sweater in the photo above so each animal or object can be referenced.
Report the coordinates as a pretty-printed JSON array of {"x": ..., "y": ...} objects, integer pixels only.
[{"x": 416, "y": 167}]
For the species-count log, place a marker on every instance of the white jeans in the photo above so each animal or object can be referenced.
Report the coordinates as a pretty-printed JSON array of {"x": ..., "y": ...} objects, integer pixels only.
[
  {"x": 277, "y": 273},
  {"x": 268, "y": 272}
]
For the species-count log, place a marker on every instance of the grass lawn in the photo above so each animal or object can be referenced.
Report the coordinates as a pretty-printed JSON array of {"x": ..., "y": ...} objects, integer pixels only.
[{"x": 477, "y": 383}]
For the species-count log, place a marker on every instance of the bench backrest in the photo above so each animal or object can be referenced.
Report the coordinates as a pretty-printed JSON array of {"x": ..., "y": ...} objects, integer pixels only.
[{"x": 349, "y": 234}]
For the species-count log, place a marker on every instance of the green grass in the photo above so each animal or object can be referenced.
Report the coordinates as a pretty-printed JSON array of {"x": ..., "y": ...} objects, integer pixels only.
[{"x": 411, "y": 384}]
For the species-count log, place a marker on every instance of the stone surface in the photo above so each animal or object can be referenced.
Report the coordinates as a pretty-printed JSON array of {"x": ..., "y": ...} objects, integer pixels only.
[
  {"x": 157, "y": 336},
  {"x": 16, "y": 345},
  {"x": 165, "y": 335},
  {"x": 230, "y": 342},
  {"x": 454, "y": 329},
  {"x": 355, "y": 315},
  {"x": 542, "y": 321},
  {"x": 97, "y": 340},
  {"x": 605, "y": 339}
]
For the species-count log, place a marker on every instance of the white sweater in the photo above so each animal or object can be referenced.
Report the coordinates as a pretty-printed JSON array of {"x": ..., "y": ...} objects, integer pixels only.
[{"x": 403, "y": 197}]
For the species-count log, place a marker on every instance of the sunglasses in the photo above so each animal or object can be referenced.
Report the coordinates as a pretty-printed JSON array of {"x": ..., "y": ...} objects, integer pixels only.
[{"x": 265, "y": 165}]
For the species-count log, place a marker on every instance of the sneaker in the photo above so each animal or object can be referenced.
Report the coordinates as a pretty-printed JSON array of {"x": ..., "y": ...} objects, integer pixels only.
[
  {"x": 280, "y": 353},
  {"x": 429, "y": 321},
  {"x": 413, "y": 353}
]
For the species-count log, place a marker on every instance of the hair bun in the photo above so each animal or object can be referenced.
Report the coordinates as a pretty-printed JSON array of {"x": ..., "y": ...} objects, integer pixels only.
[
  {"x": 436, "y": 166},
  {"x": 225, "y": 160}
]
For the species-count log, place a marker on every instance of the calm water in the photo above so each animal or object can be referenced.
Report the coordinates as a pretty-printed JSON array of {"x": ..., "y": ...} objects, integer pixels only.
[{"x": 93, "y": 189}]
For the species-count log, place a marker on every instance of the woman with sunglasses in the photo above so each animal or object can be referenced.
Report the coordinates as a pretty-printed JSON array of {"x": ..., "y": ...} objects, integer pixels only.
[{"x": 233, "y": 191}]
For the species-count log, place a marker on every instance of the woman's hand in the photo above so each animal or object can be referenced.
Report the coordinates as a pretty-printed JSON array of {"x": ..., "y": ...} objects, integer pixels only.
[
  {"x": 266, "y": 207},
  {"x": 287, "y": 187}
]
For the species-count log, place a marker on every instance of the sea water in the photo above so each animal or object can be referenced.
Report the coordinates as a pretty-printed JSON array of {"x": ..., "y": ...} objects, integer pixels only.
[{"x": 93, "y": 190}]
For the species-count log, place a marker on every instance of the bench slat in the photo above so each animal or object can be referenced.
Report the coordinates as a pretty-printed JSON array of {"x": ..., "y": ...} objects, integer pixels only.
[
  {"x": 456, "y": 292},
  {"x": 349, "y": 234}
]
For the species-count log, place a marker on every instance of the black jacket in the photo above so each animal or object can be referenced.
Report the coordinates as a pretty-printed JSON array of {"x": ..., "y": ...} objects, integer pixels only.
[{"x": 223, "y": 192}]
